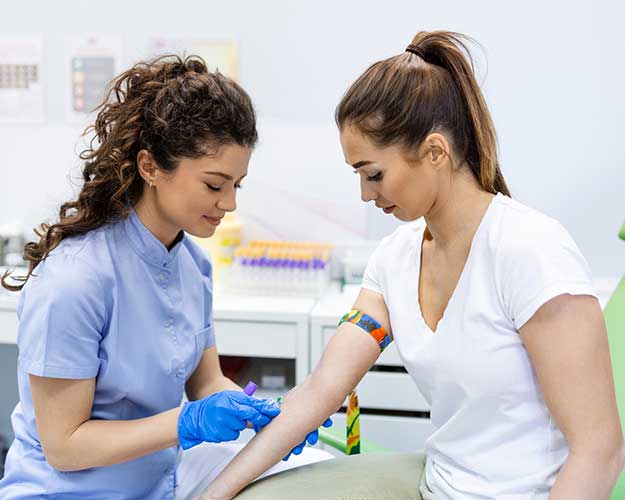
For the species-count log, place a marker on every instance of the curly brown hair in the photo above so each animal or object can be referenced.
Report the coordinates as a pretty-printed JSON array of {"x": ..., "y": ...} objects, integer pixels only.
[{"x": 172, "y": 107}]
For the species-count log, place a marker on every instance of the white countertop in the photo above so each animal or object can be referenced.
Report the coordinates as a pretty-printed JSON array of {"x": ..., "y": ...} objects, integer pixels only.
[
  {"x": 252, "y": 307},
  {"x": 325, "y": 310}
]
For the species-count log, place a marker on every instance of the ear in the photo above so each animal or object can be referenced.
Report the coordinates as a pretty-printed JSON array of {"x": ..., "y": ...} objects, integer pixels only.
[
  {"x": 147, "y": 167},
  {"x": 438, "y": 149}
]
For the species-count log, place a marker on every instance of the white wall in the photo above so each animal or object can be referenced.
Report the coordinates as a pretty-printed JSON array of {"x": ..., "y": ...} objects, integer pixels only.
[{"x": 555, "y": 84}]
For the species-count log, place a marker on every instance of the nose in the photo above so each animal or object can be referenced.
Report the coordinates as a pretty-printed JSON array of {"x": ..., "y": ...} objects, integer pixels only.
[
  {"x": 366, "y": 192},
  {"x": 228, "y": 202}
]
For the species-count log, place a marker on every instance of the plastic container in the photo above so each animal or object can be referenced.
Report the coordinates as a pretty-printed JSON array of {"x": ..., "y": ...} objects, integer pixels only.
[
  {"x": 222, "y": 244},
  {"x": 279, "y": 268}
]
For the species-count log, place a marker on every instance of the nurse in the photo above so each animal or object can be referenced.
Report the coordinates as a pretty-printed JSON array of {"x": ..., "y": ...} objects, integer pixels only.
[
  {"x": 489, "y": 302},
  {"x": 116, "y": 311}
]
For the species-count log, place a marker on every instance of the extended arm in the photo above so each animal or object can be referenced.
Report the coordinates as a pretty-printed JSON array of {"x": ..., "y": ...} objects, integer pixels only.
[{"x": 346, "y": 359}]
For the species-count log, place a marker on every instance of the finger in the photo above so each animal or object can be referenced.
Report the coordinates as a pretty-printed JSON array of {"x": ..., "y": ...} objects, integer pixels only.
[
  {"x": 269, "y": 408},
  {"x": 247, "y": 413},
  {"x": 237, "y": 424},
  {"x": 264, "y": 406},
  {"x": 312, "y": 438},
  {"x": 230, "y": 418},
  {"x": 262, "y": 421}
]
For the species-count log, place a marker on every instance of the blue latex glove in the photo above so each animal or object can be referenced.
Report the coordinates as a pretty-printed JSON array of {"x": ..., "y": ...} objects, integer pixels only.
[
  {"x": 311, "y": 439},
  {"x": 221, "y": 417}
]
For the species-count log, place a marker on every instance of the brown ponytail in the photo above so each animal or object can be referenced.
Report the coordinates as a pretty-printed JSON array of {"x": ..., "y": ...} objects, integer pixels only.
[
  {"x": 429, "y": 87},
  {"x": 172, "y": 107}
]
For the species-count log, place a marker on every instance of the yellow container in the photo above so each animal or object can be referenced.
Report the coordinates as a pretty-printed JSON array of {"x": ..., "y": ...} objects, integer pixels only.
[{"x": 222, "y": 244}]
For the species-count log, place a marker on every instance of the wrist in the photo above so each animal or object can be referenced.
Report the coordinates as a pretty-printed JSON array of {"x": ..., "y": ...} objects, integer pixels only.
[{"x": 187, "y": 435}]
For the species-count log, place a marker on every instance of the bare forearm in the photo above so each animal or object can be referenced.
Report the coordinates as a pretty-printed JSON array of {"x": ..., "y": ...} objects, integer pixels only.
[
  {"x": 98, "y": 443},
  {"x": 303, "y": 409},
  {"x": 588, "y": 476},
  {"x": 346, "y": 359}
]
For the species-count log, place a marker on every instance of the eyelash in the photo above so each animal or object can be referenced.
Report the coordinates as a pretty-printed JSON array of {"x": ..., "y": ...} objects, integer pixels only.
[
  {"x": 376, "y": 178},
  {"x": 217, "y": 189}
]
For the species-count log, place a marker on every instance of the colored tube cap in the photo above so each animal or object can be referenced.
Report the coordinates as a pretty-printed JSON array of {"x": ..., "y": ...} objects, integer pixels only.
[{"x": 250, "y": 388}]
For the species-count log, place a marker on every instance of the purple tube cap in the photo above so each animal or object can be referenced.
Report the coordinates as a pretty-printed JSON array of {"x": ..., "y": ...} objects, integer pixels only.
[{"x": 250, "y": 388}]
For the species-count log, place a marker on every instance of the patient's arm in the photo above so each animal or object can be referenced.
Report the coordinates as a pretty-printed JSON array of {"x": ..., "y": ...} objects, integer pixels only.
[{"x": 346, "y": 359}]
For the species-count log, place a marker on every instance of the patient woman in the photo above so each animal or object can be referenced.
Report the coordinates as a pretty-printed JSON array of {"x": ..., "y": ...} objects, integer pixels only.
[{"x": 490, "y": 303}]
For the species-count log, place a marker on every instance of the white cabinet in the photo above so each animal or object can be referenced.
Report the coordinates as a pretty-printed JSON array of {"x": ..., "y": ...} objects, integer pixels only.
[
  {"x": 264, "y": 327},
  {"x": 257, "y": 339},
  {"x": 8, "y": 320}
]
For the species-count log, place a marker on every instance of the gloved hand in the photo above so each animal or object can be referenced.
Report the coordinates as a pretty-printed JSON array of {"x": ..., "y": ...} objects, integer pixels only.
[
  {"x": 221, "y": 417},
  {"x": 311, "y": 439}
]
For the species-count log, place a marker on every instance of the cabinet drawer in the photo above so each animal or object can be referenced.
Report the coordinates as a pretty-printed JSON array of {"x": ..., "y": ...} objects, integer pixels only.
[
  {"x": 256, "y": 339},
  {"x": 390, "y": 391},
  {"x": 389, "y": 357},
  {"x": 8, "y": 326}
]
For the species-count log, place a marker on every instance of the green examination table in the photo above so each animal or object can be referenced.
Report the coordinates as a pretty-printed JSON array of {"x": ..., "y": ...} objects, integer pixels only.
[
  {"x": 615, "y": 320},
  {"x": 379, "y": 474}
]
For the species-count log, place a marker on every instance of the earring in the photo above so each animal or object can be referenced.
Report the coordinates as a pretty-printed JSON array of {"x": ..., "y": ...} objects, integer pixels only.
[{"x": 150, "y": 183}]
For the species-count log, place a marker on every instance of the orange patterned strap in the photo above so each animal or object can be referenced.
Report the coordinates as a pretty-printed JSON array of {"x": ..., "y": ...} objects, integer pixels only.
[{"x": 369, "y": 325}]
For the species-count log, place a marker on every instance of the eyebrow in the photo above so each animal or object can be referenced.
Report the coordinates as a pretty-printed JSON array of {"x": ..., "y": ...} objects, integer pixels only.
[
  {"x": 221, "y": 174},
  {"x": 359, "y": 164}
]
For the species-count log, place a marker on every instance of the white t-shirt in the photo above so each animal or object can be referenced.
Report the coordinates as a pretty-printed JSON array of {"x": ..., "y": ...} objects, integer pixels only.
[{"x": 494, "y": 437}]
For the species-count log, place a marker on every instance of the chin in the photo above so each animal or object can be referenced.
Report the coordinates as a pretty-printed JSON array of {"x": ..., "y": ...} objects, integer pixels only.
[
  {"x": 201, "y": 232},
  {"x": 399, "y": 215}
]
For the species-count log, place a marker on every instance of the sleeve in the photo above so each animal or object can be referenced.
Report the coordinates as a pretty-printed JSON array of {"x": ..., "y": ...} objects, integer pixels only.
[
  {"x": 62, "y": 317},
  {"x": 538, "y": 265},
  {"x": 372, "y": 279}
]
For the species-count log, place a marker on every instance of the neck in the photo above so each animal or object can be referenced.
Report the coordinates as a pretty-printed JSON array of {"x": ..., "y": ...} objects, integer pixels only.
[
  {"x": 457, "y": 212},
  {"x": 152, "y": 218}
]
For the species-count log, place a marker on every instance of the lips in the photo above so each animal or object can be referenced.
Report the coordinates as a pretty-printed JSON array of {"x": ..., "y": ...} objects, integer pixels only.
[
  {"x": 213, "y": 220},
  {"x": 388, "y": 210}
]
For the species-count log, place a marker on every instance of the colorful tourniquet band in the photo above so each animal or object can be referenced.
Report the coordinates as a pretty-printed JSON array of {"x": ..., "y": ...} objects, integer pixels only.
[{"x": 369, "y": 325}]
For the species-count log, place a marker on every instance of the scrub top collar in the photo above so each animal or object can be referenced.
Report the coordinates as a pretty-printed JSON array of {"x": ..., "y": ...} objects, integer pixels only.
[{"x": 148, "y": 246}]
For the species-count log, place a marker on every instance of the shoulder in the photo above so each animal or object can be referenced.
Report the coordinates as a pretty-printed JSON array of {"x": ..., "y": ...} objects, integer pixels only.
[
  {"x": 522, "y": 231},
  {"x": 74, "y": 269},
  {"x": 534, "y": 250},
  {"x": 535, "y": 260}
]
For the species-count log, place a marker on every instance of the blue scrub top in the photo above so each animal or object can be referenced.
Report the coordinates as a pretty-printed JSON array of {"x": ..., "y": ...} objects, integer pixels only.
[{"x": 116, "y": 305}]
